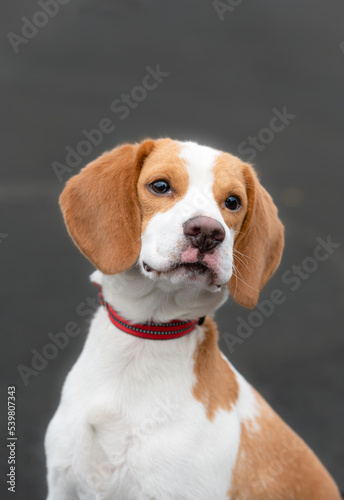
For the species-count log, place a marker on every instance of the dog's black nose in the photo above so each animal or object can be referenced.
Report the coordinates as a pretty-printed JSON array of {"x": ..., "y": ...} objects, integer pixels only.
[{"x": 204, "y": 232}]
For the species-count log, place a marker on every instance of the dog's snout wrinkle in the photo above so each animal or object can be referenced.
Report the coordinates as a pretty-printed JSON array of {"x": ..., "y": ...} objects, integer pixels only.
[{"x": 204, "y": 233}]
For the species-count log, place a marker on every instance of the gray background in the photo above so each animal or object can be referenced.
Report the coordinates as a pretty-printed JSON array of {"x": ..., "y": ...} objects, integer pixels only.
[{"x": 225, "y": 80}]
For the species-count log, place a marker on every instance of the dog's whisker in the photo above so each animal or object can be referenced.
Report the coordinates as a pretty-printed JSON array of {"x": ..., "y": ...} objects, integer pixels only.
[
  {"x": 242, "y": 262},
  {"x": 244, "y": 255},
  {"x": 236, "y": 281},
  {"x": 243, "y": 281}
]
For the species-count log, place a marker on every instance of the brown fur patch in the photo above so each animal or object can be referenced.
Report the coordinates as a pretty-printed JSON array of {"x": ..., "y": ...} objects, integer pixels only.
[
  {"x": 216, "y": 385},
  {"x": 229, "y": 180},
  {"x": 275, "y": 464},
  {"x": 163, "y": 163},
  {"x": 101, "y": 210},
  {"x": 259, "y": 232}
]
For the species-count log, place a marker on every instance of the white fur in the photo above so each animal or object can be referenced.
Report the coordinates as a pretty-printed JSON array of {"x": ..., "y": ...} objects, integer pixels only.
[{"x": 128, "y": 426}]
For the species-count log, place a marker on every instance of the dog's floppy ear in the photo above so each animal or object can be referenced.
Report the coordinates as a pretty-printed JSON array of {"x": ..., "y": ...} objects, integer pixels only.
[
  {"x": 258, "y": 246},
  {"x": 101, "y": 210}
]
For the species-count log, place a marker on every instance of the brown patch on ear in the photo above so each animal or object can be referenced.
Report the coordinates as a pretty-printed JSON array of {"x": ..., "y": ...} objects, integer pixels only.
[
  {"x": 101, "y": 210},
  {"x": 216, "y": 385},
  {"x": 258, "y": 245},
  {"x": 274, "y": 462}
]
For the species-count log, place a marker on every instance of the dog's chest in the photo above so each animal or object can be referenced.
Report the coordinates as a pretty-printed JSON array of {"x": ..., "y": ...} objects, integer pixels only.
[
  {"x": 170, "y": 451},
  {"x": 143, "y": 435}
]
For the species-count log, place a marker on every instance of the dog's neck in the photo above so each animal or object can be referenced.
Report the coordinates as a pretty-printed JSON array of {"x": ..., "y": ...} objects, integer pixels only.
[{"x": 140, "y": 299}]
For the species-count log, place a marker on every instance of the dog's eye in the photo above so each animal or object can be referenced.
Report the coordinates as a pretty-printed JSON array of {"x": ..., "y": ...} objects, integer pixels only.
[
  {"x": 233, "y": 203},
  {"x": 160, "y": 187}
]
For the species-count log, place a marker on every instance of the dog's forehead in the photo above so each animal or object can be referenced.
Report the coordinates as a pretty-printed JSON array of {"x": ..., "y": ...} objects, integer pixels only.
[{"x": 197, "y": 164}]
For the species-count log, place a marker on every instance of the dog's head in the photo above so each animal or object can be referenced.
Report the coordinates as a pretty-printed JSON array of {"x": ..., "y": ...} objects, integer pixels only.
[{"x": 184, "y": 213}]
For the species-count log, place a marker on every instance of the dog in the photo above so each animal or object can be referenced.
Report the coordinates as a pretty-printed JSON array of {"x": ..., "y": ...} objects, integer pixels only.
[{"x": 152, "y": 410}]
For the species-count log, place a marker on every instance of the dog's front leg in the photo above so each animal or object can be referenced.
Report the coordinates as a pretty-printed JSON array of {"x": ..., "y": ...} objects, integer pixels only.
[{"x": 60, "y": 486}]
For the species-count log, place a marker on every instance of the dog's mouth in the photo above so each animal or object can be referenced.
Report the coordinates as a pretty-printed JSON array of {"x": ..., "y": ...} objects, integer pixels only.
[
  {"x": 193, "y": 267},
  {"x": 190, "y": 272}
]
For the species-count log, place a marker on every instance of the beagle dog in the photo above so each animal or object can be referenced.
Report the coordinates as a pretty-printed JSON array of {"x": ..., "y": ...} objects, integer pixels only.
[{"x": 152, "y": 410}]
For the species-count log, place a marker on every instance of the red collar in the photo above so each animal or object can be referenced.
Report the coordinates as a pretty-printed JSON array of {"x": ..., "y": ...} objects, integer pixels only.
[{"x": 154, "y": 331}]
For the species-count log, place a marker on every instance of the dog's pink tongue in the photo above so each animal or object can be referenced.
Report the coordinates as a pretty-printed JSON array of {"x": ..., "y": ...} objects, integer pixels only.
[{"x": 190, "y": 255}]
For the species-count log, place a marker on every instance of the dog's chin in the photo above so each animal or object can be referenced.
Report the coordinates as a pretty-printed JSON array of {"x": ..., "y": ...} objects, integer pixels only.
[{"x": 195, "y": 274}]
